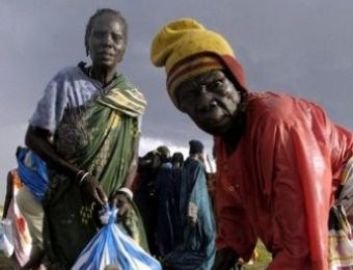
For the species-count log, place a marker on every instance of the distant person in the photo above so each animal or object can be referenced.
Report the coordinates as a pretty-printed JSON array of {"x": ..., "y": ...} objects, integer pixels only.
[
  {"x": 145, "y": 194},
  {"x": 178, "y": 160},
  {"x": 165, "y": 154},
  {"x": 194, "y": 227},
  {"x": 86, "y": 128},
  {"x": 282, "y": 164}
]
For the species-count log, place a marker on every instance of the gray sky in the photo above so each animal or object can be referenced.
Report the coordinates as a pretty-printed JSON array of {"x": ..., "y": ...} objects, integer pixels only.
[{"x": 303, "y": 47}]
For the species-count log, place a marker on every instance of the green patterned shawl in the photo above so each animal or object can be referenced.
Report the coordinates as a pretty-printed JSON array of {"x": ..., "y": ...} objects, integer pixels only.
[{"x": 100, "y": 138}]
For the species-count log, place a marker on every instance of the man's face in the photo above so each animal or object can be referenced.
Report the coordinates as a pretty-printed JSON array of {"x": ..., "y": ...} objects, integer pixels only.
[
  {"x": 106, "y": 42},
  {"x": 211, "y": 100}
]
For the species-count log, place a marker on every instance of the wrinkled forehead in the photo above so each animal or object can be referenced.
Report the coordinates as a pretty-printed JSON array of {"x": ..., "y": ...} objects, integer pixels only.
[{"x": 201, "y": 79}]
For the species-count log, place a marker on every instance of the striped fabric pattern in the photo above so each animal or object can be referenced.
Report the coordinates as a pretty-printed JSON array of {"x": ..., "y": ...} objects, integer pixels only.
[
  {"x": 189, "y": 68},
  {"x": 128, "y": 101}
]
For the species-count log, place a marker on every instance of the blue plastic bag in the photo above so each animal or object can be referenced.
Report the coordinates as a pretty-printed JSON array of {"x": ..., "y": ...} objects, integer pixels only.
[
  {"x": 111, "y": 247},
  {"x": 32, "y": 171}
]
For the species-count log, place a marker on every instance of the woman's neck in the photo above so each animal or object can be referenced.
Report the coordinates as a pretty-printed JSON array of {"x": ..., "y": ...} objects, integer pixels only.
[{"x": 105, "y": 76}]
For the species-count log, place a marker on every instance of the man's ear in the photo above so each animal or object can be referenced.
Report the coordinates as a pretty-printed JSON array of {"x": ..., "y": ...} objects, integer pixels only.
[
  {"x": 179, "y": 105},
  {"x": 180, "y": 108}
]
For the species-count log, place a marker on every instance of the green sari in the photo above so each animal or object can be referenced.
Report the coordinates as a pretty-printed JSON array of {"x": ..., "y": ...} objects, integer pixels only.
[{"x": 99, "y": 137}]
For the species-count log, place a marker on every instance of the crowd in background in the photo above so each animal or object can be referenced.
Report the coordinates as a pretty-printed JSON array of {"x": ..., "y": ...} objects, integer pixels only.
[{"x": 172, "y": 194}]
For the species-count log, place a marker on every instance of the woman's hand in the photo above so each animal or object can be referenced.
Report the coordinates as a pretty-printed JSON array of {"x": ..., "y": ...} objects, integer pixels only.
[
  {"x": 92, "y": 191},
  {"x": 121, "y": 201}
]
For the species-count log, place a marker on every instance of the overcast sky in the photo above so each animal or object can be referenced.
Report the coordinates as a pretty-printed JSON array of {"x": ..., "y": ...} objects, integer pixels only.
[{"x": 303, "y": 47}]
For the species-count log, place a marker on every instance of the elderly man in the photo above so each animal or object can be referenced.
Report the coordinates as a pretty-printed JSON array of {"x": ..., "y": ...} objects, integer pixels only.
[{"x": 281, "y": 161}]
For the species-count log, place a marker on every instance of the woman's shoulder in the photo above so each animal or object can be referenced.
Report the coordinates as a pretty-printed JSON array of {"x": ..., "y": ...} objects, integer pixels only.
[{"x": 68, "y": 73}]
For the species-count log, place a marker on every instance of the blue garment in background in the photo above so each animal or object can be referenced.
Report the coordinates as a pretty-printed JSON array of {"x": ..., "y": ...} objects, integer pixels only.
[
  {"x": 167, "y": 215},
  {"x": 32, "y": 171},
  {"x": 196, "y": 250}
]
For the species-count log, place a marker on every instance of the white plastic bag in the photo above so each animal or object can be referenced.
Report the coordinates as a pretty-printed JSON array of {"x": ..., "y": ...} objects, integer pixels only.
[
  {"x": 111, "y": 248},
  {"x": 6, "y": 238}
]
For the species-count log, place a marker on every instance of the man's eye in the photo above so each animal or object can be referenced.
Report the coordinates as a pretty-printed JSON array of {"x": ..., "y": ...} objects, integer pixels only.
[
  {"x": 217, "y": 85},
  {"x": 190, "y": 95}
]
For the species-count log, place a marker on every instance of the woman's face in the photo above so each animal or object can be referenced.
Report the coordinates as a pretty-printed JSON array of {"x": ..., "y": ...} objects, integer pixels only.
[
  {"x": 211, "y": 100},
  {"x": 106, "y": 42}
]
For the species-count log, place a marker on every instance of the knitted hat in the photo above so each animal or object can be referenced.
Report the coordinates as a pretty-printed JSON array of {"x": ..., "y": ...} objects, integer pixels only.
[
  {"x": 196, "y": 147},
  {"x": 186, "y": 49}
]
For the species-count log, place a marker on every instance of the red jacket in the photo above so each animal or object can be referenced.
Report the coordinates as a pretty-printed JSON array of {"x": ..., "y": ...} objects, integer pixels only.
[{"x": 278, "y": 185}]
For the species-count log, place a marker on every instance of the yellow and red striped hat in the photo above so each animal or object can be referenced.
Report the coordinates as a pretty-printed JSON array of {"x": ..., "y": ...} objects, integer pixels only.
[{"x": 186, "y": 49}]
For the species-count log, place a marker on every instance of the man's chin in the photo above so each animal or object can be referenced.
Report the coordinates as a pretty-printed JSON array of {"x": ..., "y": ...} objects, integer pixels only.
[{"x": 218, "y": 129}]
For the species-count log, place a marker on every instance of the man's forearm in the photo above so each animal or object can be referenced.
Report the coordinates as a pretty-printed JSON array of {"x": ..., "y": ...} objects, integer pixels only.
[{"x": 225, "y": 259}]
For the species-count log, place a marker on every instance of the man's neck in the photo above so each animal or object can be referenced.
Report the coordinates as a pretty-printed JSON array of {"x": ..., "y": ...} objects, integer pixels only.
[{"x": 234, "y": 134}]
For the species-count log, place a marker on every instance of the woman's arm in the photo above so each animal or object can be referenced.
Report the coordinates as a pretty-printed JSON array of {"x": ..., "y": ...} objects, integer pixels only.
[{"x": 38, "y": 140}]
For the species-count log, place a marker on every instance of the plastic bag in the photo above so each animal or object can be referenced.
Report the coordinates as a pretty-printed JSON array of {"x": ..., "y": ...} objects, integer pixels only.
[
  {"x": 32, "y": 171},
  {"x": 6, "y": 238},
  {"x": 111, "y": 248}
]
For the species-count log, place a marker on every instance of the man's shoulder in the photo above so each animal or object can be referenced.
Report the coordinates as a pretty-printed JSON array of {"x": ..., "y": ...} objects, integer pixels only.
[
  {"x": 279, "y": 106},
  {"x": 193, "y": 164}
]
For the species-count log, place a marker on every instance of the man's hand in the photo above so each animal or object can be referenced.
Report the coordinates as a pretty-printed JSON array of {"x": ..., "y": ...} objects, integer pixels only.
[
  {"x": 225, "y": 259},
  {"x": 92, "y": 191},
  {"x": 192, "y": 213}
]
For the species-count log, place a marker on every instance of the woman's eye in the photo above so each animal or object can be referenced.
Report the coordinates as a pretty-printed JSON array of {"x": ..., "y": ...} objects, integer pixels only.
[
  {"x": 97, "y": 34},
  {"x": 117, "y": 38}
]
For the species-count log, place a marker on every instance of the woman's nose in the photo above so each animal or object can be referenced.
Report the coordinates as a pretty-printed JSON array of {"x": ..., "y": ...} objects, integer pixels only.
[{"x": 107, "y": 40}]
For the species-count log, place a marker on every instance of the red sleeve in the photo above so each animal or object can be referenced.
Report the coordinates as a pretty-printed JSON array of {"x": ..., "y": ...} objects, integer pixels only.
[
  {"x": 302, "y": 178},
  {"x": 234, "y": 230}
]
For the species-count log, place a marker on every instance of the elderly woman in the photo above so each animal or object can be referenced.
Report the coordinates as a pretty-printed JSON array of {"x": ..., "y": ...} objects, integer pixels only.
[
  {"x": 282, "y": 164},
  {"x": 86, "y": 127}
]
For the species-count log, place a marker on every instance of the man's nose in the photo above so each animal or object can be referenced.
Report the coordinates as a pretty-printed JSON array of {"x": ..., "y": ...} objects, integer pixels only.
[{"x": 205, "y": 98}]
